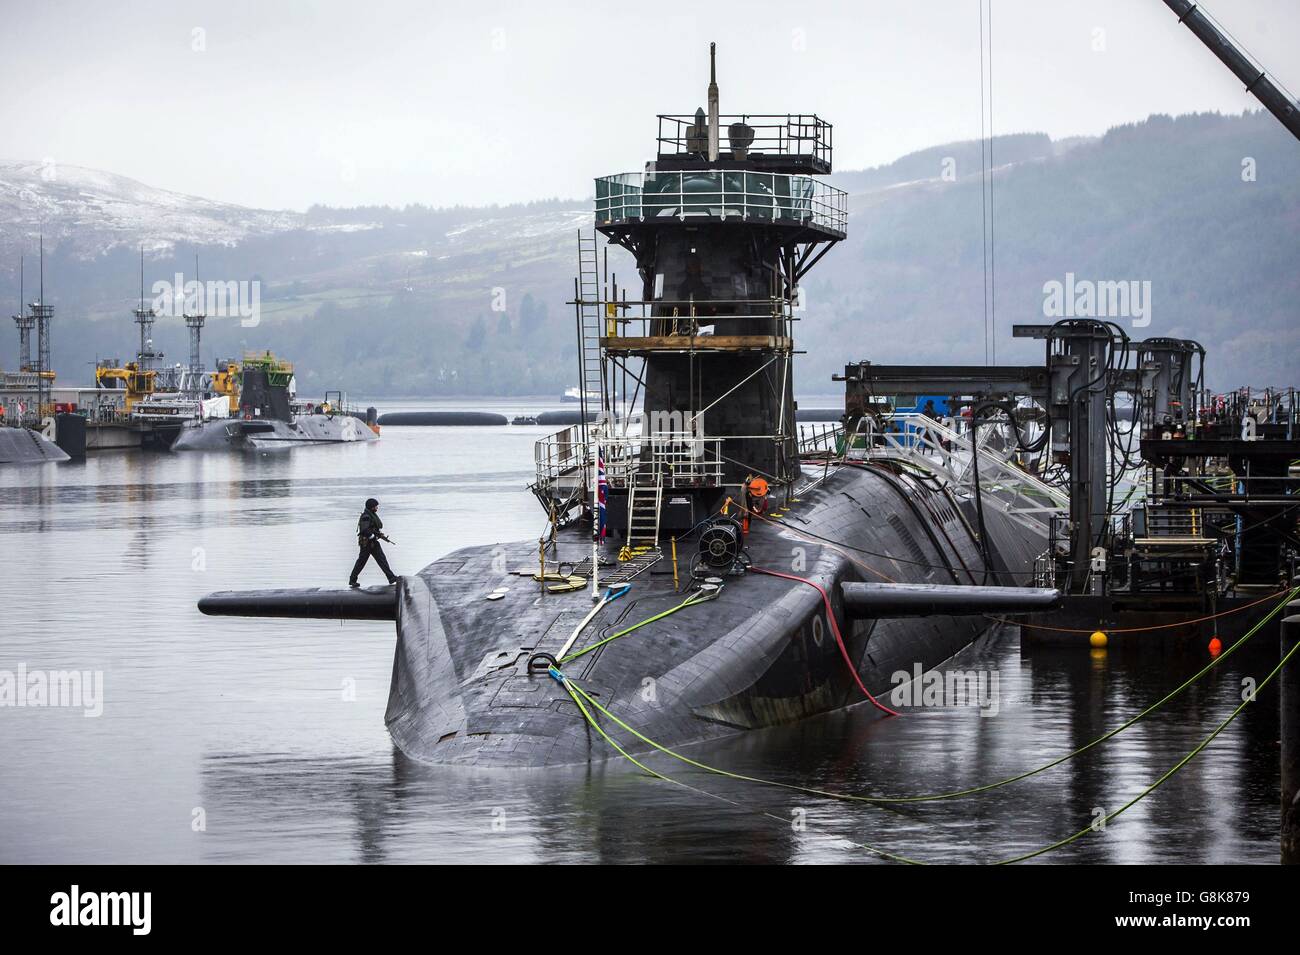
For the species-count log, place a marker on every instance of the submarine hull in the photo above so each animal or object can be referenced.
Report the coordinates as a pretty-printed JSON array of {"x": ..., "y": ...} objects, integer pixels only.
[
  {"x": 269, "y": 435},
  {"x": 25, "y": 446},
  {"x": 761, "y": 653}
]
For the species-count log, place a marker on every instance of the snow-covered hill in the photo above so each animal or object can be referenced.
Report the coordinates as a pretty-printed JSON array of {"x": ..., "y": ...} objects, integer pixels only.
[{"x": 92, "y": 212}]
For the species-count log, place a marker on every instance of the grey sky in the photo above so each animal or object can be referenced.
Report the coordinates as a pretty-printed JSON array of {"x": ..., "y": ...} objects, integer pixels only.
[{"x": 348, "y": 103}]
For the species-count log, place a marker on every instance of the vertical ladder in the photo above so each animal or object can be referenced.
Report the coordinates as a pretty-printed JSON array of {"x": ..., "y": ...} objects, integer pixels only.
[
  {"x": 644, "y": 499},
  {"x": 589, "y": 329}
]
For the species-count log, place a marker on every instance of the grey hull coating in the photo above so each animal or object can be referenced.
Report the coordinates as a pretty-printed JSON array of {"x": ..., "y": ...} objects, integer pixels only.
[
  {"x": 267, "y": 435},
  {"x": 760, "y": 654}
]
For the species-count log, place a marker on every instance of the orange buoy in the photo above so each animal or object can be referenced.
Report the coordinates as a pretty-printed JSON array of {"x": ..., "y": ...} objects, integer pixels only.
[
  {"x": 1216, "y": 646},
  {"x": 1098, "y": 639}
]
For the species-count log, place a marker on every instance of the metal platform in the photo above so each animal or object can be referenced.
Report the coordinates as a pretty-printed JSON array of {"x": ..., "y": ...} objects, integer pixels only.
[
  {"x": 630, "y": 569},
  {"x": 641, "y": 345}
]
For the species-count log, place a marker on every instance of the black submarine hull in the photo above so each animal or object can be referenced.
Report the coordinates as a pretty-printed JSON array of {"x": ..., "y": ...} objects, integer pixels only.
[{"x": 761, "y": 653}]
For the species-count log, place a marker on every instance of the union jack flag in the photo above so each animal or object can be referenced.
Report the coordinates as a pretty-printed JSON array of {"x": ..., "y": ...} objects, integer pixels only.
[{"x": 600, "y": 494}]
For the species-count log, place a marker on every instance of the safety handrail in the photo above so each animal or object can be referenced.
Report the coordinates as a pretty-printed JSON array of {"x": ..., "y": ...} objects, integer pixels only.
[
  {"x": 802, "y": 135},
  {"x": 721, "y": 194}
]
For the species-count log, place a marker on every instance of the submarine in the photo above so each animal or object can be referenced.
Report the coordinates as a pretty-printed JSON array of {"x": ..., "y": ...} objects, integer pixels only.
[
  {"x": 272, "y": 419},
  {"x": 705, "y": 572}
]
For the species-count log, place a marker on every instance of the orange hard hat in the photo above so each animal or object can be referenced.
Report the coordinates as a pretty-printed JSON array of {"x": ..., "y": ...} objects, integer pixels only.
[{"x": 758, "y": 487}]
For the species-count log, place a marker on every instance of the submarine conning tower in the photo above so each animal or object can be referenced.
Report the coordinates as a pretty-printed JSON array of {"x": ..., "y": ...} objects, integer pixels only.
[{"x": 723, "y": 224}]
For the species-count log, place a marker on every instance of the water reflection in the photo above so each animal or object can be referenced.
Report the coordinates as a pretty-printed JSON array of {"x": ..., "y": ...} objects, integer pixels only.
[
  {"x": 245, "y": 719},
  {"x": 394, "y": 810}
]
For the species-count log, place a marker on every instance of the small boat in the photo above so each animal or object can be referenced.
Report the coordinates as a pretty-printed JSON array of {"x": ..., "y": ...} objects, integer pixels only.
[{"x": 575, "y": 395}]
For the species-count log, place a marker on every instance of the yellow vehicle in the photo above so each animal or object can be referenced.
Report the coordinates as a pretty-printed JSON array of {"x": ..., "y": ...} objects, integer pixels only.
[
  {"x": 136, "y": 384},
  {"x": 225, "y": 381}
]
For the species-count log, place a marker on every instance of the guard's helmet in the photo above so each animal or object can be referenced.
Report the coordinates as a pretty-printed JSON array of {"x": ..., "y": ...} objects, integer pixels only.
[{"x": 371, "y": 504}]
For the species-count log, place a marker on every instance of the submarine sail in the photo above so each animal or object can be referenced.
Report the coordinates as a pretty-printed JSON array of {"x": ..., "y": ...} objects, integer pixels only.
[{"x": 706, "y": 571}]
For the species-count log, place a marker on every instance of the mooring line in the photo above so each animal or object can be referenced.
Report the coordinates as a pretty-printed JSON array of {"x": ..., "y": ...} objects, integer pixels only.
[
  {"x": 690, "y": 601},
  {"x": 1158, "y": 626},
  {"x": 855, "y": 797},
  {"x": 575, "y": 691},
  {"x": 591, "y": 721},
  {"x": 1168, "y": 774}
]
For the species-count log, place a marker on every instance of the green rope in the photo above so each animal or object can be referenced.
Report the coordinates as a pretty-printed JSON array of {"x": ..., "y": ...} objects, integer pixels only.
[
  {"x": 690, "y": 601},
  {"x": 851, "y": 797},
  {"x": 1159, "y": 782},
  {"x": 575, "y": 692},
  {"x": 609, "y": 739},
  {"x": 564, "y": 681},
  {"x": 1059, "y": 844}
]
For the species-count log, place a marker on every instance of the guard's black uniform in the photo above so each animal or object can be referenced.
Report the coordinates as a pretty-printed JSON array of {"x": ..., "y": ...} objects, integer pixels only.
[{"x": 369, "y": 530}]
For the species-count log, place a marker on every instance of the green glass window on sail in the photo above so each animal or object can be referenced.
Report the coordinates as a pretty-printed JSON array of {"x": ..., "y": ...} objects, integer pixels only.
[
  {"x": 733, "y": 194},
  {"x": 781, "y": 192},
  {"x": 702, "y": 193},
  {"x": 720, "y": 194},
  {"x": 758, "y": 195},
  {"x": 662, "y": 194}
]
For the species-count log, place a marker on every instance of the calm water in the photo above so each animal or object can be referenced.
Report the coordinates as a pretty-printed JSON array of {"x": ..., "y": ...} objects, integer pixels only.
[{"x": 271, "y": 732}]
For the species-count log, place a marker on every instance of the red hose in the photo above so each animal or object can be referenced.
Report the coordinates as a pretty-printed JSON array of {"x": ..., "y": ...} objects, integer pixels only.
[{"x": 835, "y": 629}]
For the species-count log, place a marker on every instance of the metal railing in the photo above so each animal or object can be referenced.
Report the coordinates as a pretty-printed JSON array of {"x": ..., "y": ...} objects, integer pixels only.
[
  {"x": 1184, "y": 489},
  {"x": 675, "y": 459},
  {"x": 1159, "y": 522},
  {"x": 946, "y": 452},
  {"x": 672, "y": 459},
  {"x": 798, "y": 135},
  {"x": 718, "y": 194},
  {"x": 820, "y": 438},
  {"x": 106, "y": 414},
  {"x": 691, "y": 319},
  {"x": 559, "y": 455}
]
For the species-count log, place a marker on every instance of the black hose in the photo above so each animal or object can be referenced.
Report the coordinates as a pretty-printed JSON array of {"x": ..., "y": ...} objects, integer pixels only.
[{"x": 979, "y": 498}]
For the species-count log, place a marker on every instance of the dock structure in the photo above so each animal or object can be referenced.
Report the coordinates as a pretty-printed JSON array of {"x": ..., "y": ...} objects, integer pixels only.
[{"x": 1173, "y": 519}]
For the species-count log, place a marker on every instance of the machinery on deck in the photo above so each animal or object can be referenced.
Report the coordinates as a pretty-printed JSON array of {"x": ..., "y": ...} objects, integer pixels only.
[{"x": 1181, "y": 507}]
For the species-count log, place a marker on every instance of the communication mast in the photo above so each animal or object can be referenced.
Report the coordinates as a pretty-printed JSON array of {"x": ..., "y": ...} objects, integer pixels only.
[
  {"x": 144, "y": 317},
  {"x": 25, "y": 323},
  {"x": 195, "y": 323},
  {"x": 41, "y": 315}
]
